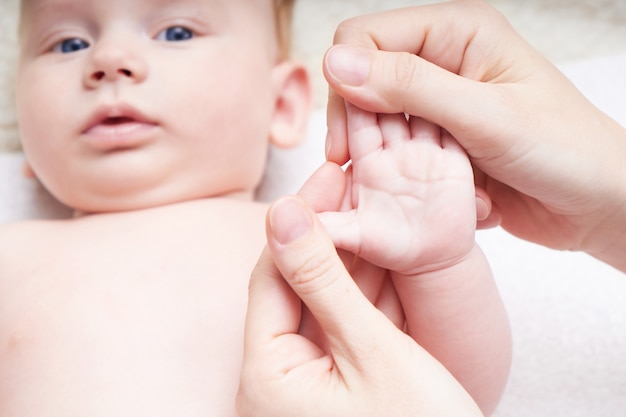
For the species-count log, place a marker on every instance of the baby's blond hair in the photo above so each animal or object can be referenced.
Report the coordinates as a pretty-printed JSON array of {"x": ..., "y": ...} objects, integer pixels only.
[{"x": 283, "y": 10}]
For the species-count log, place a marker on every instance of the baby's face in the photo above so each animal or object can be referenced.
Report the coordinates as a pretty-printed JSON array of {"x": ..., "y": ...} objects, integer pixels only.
[{"x": 131, "y": 104}]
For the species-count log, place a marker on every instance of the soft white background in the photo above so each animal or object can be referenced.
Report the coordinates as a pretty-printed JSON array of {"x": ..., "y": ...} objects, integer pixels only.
[{"x": 567, "y": 310}]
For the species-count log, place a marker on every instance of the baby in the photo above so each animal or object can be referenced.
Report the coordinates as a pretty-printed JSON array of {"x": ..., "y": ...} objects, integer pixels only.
[{"x": 152, "y": 119}]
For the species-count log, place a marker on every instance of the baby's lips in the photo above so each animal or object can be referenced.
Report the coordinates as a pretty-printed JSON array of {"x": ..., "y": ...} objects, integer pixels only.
[{"x": 113, "y": 114}]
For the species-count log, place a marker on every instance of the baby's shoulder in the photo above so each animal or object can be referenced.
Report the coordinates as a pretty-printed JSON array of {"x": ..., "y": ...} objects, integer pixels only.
[
  {"x": 223, "y": 222},
  {"x": 22, "y": 243},
  {"x": 223, "y": 217},
  {"x": 219, "y": 221},
  {"x": 31, "y": 231}
]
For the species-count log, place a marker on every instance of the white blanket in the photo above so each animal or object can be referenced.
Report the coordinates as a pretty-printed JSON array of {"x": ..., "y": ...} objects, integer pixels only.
[{"x": 568, "y": 311}]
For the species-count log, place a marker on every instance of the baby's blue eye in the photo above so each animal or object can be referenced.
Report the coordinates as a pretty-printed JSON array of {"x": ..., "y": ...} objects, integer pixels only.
[
  {"x": 175, "y": 34},
  {"x": 70, "y": 45}
]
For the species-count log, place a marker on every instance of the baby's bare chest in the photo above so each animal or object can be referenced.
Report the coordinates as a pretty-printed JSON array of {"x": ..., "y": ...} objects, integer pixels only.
[{"x": 147, "y": 321}]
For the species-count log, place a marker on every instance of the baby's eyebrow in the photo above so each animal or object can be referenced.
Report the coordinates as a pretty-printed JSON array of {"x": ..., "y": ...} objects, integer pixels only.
[
  {"x": 41, "y": 12},
  {"x": 39, "y": 7}
]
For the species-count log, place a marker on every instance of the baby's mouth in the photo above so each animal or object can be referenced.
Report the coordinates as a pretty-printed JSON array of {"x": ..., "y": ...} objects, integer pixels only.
[
  {"x": 118, "y": 132},
  {"x": 114, "y": 121},
  {"x": 116, "y": 126}
]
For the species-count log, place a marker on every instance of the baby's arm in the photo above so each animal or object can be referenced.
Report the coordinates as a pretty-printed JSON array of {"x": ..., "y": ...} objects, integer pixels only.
[{"x": 410, "y": 208}]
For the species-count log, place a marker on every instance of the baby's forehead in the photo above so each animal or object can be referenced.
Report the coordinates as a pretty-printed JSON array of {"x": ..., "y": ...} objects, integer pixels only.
[
  {"x": 43, "y": 10},
  {"x": 29, "y": 4}
]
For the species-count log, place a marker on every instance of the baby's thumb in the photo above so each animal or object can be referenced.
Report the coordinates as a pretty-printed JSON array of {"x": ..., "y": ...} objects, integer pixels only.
[{"x": 306, "y": 257}]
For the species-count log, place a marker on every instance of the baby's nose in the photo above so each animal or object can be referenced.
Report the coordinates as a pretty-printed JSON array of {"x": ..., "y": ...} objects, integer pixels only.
[{"x": 115, "y": 61}]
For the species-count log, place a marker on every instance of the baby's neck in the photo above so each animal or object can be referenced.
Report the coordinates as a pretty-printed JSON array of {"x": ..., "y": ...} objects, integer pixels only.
[{"x": 238, "y": 196}]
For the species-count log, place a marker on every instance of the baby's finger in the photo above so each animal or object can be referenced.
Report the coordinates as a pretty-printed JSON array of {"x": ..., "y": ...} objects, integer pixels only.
[
  {"x": 483, "y": 204},
  {"x": 324, "y": 190},
  {"x": 425, "y": 131},
  {"x": 364, "y": 135},
  {"x": 487, "y": 217},
  {"x": 344, "y": 229},
  {"x": 493, "y": 220},
  {"x": 394, "y": 128}
]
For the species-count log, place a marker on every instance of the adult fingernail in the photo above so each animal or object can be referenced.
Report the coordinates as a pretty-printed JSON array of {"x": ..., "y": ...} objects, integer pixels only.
[
  {"x": 289, "y": 220},
  {"x": 348, "y": 65},
  {"x": 328, "y": 144}
]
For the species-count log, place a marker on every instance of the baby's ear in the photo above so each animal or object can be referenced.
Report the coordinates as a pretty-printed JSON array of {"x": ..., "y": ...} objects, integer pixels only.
[
  {"x": 27, "y": 171},
  {"x": 292, "y": 107}
]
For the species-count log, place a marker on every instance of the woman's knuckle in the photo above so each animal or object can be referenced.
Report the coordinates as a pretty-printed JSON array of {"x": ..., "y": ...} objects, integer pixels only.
[{"x": 405, "y": 70}]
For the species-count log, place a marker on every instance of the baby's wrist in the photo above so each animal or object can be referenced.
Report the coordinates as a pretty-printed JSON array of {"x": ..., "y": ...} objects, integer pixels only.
[{"x": 431, "y": 271}]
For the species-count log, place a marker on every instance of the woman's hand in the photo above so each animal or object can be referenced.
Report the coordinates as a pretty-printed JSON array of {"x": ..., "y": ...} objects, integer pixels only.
[
  {"x": 359, "y": 363},
  {"x": 552, "y": 164}
]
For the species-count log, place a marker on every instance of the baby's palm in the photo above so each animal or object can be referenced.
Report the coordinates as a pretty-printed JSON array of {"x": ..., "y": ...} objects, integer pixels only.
[{"x": 410, "y": 203}]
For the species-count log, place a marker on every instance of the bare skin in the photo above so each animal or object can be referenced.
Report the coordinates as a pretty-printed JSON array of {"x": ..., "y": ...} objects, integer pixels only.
[
  {"x": 409, "y": 207},
  {"x": 406, "y": 204},
  {"x": 91, "y": 325},
  {"x": 128, "y": 116},
  {"x": 551, "y": 162}
]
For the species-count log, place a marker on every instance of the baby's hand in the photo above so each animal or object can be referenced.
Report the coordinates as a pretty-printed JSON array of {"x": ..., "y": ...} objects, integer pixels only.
[{"x": 410, "y": 201}]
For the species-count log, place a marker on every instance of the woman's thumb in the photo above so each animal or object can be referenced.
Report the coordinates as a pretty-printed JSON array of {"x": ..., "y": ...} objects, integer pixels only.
[
  {"x": 397, "y": 82},
  {"x": 307, "y": 259}
]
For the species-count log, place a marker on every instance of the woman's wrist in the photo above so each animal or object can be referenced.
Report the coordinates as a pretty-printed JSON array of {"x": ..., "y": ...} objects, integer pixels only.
[{"x": 607, "y": 240}]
